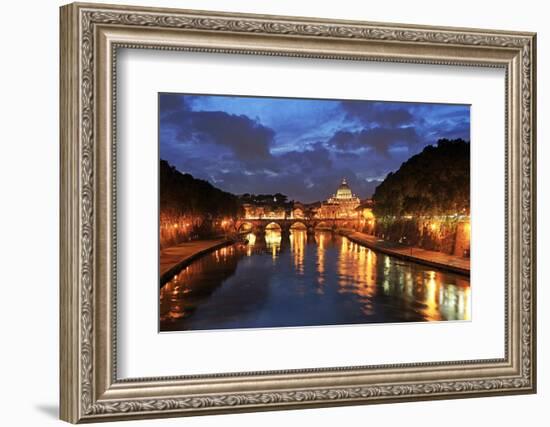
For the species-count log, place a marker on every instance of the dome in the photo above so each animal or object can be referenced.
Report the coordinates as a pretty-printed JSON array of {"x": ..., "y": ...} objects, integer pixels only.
[
  {"x": 344, "y": 192},
  {"x": 343, "y": 204}
]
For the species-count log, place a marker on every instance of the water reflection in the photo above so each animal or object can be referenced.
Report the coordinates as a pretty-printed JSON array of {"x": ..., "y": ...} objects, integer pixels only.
[
  {"x": 273, "y": 242},
  {"x": 297, "y": 248},
  {"x": 274, "y": 280}
]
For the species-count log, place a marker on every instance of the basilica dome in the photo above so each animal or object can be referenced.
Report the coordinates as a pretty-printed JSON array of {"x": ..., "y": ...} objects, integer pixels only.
[
  {"x": 343, "y": 204},
  {"x": 343, "y": 192}
]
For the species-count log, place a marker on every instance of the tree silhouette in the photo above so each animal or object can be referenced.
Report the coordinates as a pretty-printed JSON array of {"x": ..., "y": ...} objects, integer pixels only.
[
  {"x": 181, "y": 194},
  {"x": 433, "y": 182}
]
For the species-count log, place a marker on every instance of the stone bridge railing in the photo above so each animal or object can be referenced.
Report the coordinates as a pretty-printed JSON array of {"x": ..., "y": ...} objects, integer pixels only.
[{"x": 259, "y": 225}]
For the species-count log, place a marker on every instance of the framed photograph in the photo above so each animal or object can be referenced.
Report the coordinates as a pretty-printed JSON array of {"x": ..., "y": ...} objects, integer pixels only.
[
  {"x": 275, "y": 248},
  {"x": 265, "y": 212}
]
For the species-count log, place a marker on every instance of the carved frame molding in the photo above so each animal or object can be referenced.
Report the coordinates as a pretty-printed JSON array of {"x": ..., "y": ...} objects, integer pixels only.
[{"x": 90, "y": 37}]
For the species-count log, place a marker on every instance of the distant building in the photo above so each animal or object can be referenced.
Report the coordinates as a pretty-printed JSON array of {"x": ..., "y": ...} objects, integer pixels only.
[
  {"x": 263, "y": 211},
  {"x": 253, "y": 212},
  {"x": 298, "y": 211},
  {"x": 343, "y": 204}
]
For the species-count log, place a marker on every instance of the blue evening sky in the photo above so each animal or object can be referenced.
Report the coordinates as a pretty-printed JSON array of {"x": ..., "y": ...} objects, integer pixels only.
[{"x": 299, "y": 147}]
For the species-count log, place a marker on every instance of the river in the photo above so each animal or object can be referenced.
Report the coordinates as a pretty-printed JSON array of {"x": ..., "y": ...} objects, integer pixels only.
[{"x": 277, "y": 280}]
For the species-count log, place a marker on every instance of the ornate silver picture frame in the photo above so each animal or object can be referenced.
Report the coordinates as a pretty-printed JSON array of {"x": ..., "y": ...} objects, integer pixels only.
[{"x": 91, "y": 35}]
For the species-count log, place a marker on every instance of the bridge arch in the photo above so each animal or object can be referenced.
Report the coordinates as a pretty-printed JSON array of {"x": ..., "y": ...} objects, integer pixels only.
[
  {"x": 245, "y": 227},
  {"x": 298, "y": 225},
  {"x": 273, "y": 226}
]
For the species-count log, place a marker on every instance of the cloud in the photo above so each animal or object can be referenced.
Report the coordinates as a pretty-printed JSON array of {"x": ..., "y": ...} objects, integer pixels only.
[
  {"x": 298, "y": 174},
  {"x": 378, "y": 139},
  {"x": 169, "y": 103},
  {"x": 247, "y": 139},
  {"x": 382, "y": 113},
  {"x": 302, "y": 148},
  {"x": 308, "y": 161}
]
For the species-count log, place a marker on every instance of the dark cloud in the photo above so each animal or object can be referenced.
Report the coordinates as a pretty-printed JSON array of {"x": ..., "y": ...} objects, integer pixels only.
[
  {"x": 314, "y": 159},
  {"x": 169, "y": 103},
  {"x": 302, "y": 148},
  {"x": 300, "y": 171},
  {"x": 381, "y": 113},
  {"x": 378, "y": 139},
  {"x": 246, "y": 138}
]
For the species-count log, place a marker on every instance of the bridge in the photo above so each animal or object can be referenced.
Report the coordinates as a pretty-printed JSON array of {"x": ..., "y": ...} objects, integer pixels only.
[{"x": 259, "y": 225}]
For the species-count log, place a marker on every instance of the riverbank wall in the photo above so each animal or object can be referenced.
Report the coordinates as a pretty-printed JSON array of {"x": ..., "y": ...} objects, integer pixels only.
[
  {"x": 175, "y": 258},
  {"x": 452, "y": 263},
  {"x": 450, "y": 235}
]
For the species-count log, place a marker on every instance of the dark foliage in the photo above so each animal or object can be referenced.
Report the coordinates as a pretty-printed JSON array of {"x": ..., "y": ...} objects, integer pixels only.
[
  {"x": 181, "y": 194},
  {"x": 433, "y": 182},
  {"x": 276, "y": 200}
]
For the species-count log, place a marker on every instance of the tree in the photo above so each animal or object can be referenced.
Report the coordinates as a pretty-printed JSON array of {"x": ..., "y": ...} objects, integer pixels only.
[
  {"x": 181, "y": 194},
  {"x": 433, "y": 182}
]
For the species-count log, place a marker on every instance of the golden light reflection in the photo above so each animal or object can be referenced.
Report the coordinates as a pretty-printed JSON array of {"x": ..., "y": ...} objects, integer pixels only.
[
  {"x": 430, "y": 300},
  {"x": 445, "y": 301},
  {"x": 251, "y": 241},
  {"x": 350, "y": 277},
  {"x": 409, "y": 286},
  {"x": 371, "y": 268},
  {"x": 465, "y": 302},
  {"x": 173, "y": 302},
  {"x": 343, "y": 265},
  {"x": 297, "y": 246},
  {"x": 356, "y": 270},
  {"x": 320, "y": 238},
  {"x": 273, "y": 242}
]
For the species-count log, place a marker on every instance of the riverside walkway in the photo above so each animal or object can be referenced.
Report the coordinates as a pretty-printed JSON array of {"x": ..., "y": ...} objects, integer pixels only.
[
  {"x": 453, "y": 263},
  {"x": 175, "y": 258}
]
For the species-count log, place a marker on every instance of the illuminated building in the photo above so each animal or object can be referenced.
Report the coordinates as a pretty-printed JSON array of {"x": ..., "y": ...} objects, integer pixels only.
[
  {"x": 263, "y": 212},
  {"x": 298, "y": 211},
  {"x": 252, "y": 211},
  {"x": 343, "y": 204}
]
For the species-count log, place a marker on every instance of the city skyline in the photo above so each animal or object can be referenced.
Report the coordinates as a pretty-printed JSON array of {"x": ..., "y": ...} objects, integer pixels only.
[{"x": 299, "y": 147}]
